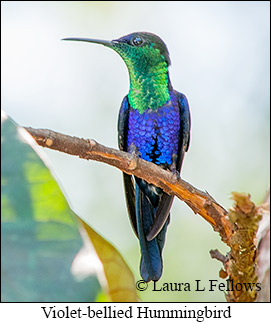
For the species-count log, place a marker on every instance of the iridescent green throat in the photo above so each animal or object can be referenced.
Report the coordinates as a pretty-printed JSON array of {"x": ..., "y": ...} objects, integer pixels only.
[{"x": 148, "y": 72}]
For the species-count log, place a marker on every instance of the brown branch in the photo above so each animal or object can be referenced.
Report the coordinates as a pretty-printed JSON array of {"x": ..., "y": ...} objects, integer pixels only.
[
  {"x": 215, "y": 254},
  {"x": 237, "y": 228},
  {"x": 199, "y": 201},
  {"x": 242, "y": 262}
]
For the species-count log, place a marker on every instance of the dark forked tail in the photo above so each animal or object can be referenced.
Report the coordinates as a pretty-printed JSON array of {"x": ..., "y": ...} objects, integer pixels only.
[{"x": 151, "y": 266}]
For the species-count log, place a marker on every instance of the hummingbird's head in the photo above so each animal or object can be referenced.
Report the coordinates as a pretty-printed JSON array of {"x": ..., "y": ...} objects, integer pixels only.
[
  {"x": 142, "y": 46},
  {"x": 147, "y": 59}
]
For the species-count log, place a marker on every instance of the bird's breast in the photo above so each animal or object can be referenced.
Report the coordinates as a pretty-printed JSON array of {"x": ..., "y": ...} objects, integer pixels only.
[{"x": 154, "y": 134}]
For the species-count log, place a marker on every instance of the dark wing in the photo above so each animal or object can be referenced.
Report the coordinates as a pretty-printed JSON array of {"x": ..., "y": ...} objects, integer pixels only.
[
  {"x": 123, "y": 124},
  {"x": 127, "y": 179},
  {"x": 162, "y": 212},
  {"x": 185, "y": 125}
]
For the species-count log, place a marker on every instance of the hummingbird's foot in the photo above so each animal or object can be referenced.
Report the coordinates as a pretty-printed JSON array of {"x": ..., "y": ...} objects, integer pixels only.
[
  {"x": 176, "y": 175},
  {"x": 133, "y": 161}
]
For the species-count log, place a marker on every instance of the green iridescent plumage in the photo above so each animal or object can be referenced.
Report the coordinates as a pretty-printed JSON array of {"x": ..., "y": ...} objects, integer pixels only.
[{"x": 148, "y": 73}]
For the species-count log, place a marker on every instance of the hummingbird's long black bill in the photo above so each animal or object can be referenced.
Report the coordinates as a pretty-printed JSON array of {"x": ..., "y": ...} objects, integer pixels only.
[{"x": 90, "y": 40}]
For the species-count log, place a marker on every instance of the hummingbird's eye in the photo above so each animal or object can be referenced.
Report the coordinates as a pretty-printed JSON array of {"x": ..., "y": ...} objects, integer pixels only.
[{"x": 137, "y": 41}]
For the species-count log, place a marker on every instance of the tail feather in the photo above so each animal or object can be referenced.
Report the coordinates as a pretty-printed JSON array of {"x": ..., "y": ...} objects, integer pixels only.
[
  {"x": 151, "y": 266},
  {"x": 161, "y": 216}
]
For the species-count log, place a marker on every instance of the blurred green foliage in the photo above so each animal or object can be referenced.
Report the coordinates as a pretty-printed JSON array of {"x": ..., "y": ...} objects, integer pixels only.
[{"x": 39, "y": 234}]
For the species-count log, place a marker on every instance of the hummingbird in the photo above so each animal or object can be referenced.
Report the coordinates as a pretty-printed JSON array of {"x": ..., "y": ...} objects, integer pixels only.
[{"x": 153, "y": 124}]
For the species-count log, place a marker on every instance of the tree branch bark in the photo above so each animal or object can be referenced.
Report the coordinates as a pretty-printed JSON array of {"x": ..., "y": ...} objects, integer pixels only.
[
  {"x": 237, "y": 227},
  {"x": 200, "y": 202}
]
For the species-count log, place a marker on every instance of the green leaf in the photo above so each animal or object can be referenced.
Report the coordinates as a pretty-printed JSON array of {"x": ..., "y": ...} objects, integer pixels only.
[
  {"x": 119, "y": 279},
  {"x": 40, "y": 254},
  {"x": 39, "y": 233}
]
